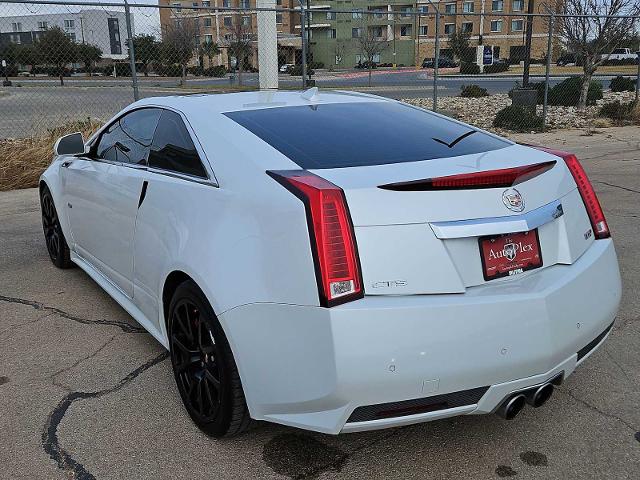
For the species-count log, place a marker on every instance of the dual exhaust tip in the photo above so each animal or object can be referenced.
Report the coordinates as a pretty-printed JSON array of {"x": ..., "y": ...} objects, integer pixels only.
[{"x": 536, "y": 397}]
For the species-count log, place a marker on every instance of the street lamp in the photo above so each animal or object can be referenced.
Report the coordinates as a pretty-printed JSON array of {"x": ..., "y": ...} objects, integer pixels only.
[
  {"x": 638, "y": 77},
  {"x": 6, "y": 82}
]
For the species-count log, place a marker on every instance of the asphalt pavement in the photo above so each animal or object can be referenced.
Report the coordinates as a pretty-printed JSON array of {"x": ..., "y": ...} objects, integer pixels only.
[{"x": 85, "y": 393}]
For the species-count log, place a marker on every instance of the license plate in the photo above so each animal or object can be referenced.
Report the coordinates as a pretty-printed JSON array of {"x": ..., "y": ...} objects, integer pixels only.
[{"x": 510, "y": 254}]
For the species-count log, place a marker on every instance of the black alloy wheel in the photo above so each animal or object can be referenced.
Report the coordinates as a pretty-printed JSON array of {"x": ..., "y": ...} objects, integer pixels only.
[
  {"x": 53, "y": 236},
  {"x": 203, "y": 365}
]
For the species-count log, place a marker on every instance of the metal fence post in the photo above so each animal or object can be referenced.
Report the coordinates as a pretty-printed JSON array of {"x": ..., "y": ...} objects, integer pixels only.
[
  {"x": 548, "y": 68},
  {"x": 303, "y": 33},
  {"x": 132, "y": 53},
  {"x": 436, "y": 61}
]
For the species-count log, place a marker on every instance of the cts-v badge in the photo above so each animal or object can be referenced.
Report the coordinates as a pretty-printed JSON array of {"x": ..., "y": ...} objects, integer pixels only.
[{"x": 513, "y": 200}]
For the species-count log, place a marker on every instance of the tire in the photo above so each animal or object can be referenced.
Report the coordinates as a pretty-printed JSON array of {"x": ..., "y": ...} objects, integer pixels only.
[
  {"x": 203, "y": 365},
  {"x": 53, "y": 235}
]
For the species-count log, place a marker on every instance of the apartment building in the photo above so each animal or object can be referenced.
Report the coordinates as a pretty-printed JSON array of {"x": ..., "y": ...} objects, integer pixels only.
[
  {"x": 337, "y": 38},
  {"x": 103, "y": 28},
  {"x": 219, "y": 25}
]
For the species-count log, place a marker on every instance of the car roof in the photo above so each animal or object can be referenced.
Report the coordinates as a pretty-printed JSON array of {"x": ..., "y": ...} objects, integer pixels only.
[{"x": 233, "y": 102}]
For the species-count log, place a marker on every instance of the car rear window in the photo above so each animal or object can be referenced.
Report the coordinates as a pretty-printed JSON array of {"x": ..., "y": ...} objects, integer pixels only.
[{"x": 361, "y": 134}]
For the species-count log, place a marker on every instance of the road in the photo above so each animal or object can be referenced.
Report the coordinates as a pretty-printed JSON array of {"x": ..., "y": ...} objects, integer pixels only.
[
  {"x": 34, "y": 104},
  {"x": 86, "y": 394}
]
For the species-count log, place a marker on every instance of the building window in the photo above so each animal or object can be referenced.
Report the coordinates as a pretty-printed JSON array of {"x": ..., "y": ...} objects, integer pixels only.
[
  {"x": 227, "y": 21},
  {"x": 42, "y": 25},
  {"x": 450, "y": 8},
  {"x": 72, "y": 36},
  {"x": 497, "y": 5},
  {"x": 405, "y": 12},
  {"x": 208, "y": 39},
  {"x": 357, "y": 14},
  {"x": 16, "y": 27},
  {"x": 331, "y": 33},
  {"x": 246, "y": 21},
  {"x": 377, "y": 32},
  {"x": 279, "y": 18},
  {"x": 424, "y": 30},
  {"x": 378, "y": 13},
  {"x": 449, "y": 28},
  {"x": 177, "y": 5},
  {"x": 206, "y": 3},
  {"x": 194, "y": 4},
  {"x": 359, "y": 58},
  {"x": 338, "y": 59},
  {"x": 15, "y": 38},
  {"x": 375, "y": 58},
  {"x": 331, "y": 15},
  {"x": 496, "y": 25},
  {"x": 356, "y": 32},
  {"x": 517, "y": 25},
  {"x": 226, "y": 3},
  {"x": 467, "y": 7},
  {"x": 244, "y": 3},
  {"x": 69, "y": 24},
  {"x": 405, "y": 30},
  {"x": 207, "y": 22},
  {"x": 423, "y": 9},
  {"x": 517, "y": 5},
  {"x": 467, "y": 27}
]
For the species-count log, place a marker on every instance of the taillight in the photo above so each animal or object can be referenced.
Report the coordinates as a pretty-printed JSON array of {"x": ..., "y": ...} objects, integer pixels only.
[
  {"x": 333, "y": 242},
  {"x": 588, "y": 194},
  {"x": 500, "y": 178}
]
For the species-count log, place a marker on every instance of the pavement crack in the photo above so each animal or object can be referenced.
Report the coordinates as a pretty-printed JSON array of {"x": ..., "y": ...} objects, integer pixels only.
[
  {"x": 617, "y": 186},
  {"x": 50, "y": 440},
  {"x": 78, "y": 362},
  {"x": 124, "y": 326},
  {"x": 597, "y": 410}
]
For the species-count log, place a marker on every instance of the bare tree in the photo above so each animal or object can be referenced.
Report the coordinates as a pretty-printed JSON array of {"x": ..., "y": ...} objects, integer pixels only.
[
  {"x": 179, "y": 43},
  {"x": 239, "y": 46},
  {"x": 371, "y": 43},
  {"x": 592, "y": 30}
]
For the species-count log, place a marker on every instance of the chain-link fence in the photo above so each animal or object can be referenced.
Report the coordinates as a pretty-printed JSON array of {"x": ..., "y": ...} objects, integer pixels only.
[{"x": 498, "y": 64}]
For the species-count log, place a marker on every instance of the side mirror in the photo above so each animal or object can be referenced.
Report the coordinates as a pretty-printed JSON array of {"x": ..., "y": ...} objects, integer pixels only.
[{"x": 72, "y": 144}]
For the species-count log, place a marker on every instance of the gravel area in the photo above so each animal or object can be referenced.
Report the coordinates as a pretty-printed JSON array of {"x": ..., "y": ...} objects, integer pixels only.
[{"x": 481, "y": 111}]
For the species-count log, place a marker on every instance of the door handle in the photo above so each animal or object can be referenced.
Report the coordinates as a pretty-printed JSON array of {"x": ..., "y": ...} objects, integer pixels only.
[{"x": 66, "y": 164}]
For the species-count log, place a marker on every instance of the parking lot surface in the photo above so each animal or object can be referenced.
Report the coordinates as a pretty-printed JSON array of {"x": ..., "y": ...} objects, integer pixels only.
[{"x": 85, "y": 393}]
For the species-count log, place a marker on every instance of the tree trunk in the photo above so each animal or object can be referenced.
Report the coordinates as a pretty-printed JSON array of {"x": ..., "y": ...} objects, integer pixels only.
[
  {"x": 240, "y": 66},
  {"x": 584, "y": 89},
  {"x": 369, "y": 73},
  {"x": 183, "y": 78},
  {"x": 61, "y": 78}
]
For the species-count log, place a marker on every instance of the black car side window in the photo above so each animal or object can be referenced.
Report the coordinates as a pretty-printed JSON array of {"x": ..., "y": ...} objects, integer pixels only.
[
  {"x": 172, "y": 148},
  {"x": 128, "y": 139}
]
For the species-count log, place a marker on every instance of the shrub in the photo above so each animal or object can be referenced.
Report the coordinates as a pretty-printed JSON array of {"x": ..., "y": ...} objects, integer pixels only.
[
  {"x": 217, "y": 71},
  {"x": 469, "y": 68},
  {"x": 473, "y": 91},
  {"x": 496, "y": 67},
  {"x": 518, "y": 119},
  {"x": 622, "y": 84},
  {"x": 316, "y": 65},
  {"x": 197, "y": 71},
  {"x": 296, "y": 70},
  {"x": 617, "y": 111},
  {"x": 169, "y": 70},
  {"x": 567, "y": 93}
]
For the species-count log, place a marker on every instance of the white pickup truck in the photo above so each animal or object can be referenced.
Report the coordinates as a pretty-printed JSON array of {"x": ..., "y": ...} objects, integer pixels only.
[{"x": 622, "y": 54}]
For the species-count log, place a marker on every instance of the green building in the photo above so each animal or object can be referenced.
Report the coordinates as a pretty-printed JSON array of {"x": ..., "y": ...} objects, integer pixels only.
[{"x": 341, "y": 40}]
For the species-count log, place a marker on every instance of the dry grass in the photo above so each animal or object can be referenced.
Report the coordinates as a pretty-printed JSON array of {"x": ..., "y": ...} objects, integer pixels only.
[{"x": 22, "y": 161}]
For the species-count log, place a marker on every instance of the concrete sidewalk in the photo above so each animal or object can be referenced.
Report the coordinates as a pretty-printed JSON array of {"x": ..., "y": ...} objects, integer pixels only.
[{"x": 86, "y": 394}]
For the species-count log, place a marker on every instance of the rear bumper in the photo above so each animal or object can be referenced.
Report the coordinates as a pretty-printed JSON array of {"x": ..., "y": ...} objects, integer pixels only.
[{"x": 311, "y": 367}]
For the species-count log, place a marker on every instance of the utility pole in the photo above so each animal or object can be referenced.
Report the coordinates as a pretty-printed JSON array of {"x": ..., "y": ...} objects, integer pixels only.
[{"x": 527, "y": 47}]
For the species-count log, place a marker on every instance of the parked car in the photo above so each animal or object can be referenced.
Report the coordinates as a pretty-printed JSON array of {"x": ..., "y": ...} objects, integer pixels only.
[
  {"x": 622, "y": 54},
  {"x": 24, "y": 74},
  {"x": 567, "y": 60},
  {"x": 286, "y": 68},
  {"x": 364, "y": 277},
  {"x": 443, "y": 62}
]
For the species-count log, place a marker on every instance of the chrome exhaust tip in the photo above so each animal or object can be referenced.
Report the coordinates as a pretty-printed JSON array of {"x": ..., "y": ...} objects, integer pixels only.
[
  {"x": 512, "y": 407},
  {"x": 538, "y": 397}
]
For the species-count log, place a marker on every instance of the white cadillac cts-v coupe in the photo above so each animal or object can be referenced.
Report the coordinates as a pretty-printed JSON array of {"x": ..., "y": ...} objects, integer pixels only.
[{"x": 337, "y": 262}]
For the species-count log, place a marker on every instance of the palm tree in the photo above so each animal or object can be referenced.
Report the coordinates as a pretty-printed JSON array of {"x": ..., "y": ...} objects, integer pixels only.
[{"x": 210, "y": 49}]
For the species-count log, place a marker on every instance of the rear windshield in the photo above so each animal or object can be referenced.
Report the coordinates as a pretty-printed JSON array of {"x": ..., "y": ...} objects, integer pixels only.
[{"x": 362, "y": 134}]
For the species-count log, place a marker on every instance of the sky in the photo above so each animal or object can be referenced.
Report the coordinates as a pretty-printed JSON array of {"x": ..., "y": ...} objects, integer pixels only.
[{"x": 146, "y": 20}]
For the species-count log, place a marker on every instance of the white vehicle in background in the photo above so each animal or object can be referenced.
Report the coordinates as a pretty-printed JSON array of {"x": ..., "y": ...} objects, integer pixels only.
[
  {"x": 337, "y": 262},
  {"x": 622, "y": 54},
  {"x": 286, "y": 67}
]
